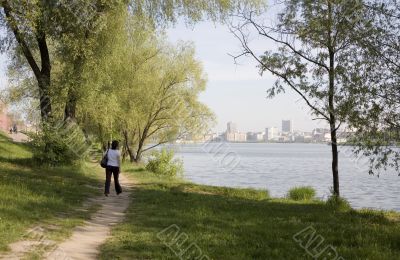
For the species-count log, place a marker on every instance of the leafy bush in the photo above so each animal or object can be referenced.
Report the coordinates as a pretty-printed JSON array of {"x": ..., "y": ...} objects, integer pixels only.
[
  {"x": 338, "y": 203},
  {"x": 57, "y": 145},
  {"x": 163, "y": 164},
  {"x": 301, "y": 193}
]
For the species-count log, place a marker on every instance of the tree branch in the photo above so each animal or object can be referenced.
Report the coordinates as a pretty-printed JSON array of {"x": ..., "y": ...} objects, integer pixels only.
[
  {"x": 248, "y": 51},
  {"x": 261, "y": 31},
  {"x": 154, "y": 146}
]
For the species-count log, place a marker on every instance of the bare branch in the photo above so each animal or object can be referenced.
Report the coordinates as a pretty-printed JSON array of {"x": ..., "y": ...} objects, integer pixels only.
[{"x": 248, "y": 51}]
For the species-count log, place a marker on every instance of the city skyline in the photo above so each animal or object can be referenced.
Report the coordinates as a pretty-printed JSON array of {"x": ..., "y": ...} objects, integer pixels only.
[
  {"x": 234, "y": 127},
  {"x": 283, "y": 134}
]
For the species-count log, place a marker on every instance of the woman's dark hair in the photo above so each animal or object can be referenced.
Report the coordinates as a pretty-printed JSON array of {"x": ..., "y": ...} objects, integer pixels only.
[{"x": 114, "y": 145}]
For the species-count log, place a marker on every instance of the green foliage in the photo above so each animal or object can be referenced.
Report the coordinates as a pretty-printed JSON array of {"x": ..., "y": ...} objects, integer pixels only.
[
  {"x": 163, "y": 164},
  {"x": 58, "y": 145},
  {"x": 301, "y": 193},
  {"x": 337, "y": 203},
  {"x": 166, "y": 11}
]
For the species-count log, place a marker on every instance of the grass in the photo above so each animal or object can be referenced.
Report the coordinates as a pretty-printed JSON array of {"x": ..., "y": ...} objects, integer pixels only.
[
  {"x": 241, "y": 224},
  {"x": 32, "y": 196},
  {"x": 301, "y": 193}
]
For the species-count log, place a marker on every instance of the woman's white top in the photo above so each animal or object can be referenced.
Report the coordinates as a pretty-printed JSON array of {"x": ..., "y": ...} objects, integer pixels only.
[{"x": 113, "y": 158}]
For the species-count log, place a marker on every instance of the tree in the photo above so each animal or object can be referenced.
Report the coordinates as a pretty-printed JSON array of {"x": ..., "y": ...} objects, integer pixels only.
[
  {"x": 377, "y": 106},
  {"x": 34, "y": 25},
  {"x": 155, "y": 89},
  {"x": 25, "y": 38},
  {"x": 313, "y": 41},
  {"x": 164, "y": 107}
]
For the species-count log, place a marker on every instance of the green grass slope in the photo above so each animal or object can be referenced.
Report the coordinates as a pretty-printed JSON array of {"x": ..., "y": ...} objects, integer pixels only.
[
  {"x": 220, "y": 223},
  {"x": 30, "y": 196}
]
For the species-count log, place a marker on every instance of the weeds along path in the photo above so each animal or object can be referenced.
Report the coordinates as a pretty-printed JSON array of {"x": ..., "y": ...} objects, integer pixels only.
[{"x": 86, "y": 240}]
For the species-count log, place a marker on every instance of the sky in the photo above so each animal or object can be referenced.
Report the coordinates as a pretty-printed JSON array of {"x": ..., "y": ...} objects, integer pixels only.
[{"x": 235, "y": 92}]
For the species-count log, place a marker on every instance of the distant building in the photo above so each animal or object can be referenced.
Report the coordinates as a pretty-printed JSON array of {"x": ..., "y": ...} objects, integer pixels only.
[
  {"x": 287, "y": 126},
  {"x": 5, "y": 121},
  {"x": 212, "y": 137},
  {"x": 236, "y": 137},
  {"x": 255, "y": 137},
  {"x": 231, "y": 128},
  {"x": 320, "y": 134},
  {"x": 251, "y": 137},
  {"x": 233, "y": 135},
  {"x": 271, "y": 134},
  {"x": 299, "y": 139}
]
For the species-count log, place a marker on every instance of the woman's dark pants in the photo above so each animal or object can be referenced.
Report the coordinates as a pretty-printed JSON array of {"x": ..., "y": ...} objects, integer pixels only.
[{"x": 112, "y": 171}]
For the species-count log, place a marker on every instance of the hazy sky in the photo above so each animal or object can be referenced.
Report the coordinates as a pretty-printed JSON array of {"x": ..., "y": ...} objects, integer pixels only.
[{"x": 235, "y": 92}]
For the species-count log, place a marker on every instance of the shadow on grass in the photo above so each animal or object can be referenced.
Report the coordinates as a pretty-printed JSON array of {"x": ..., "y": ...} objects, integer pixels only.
[
  {"x": 27, "y": 162},
  {"x": 32, "y": 194},
  {"x": 226, "y": 227}
]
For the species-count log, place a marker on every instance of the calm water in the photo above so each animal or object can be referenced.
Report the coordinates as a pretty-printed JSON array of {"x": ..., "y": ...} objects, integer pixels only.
[{"x": 279, "y": 167}]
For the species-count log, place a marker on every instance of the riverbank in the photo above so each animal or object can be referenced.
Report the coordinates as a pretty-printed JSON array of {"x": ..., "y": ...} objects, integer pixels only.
[
  {"x": 280, "y": 167},
  {"x": 170, "y": 219},
  {"x": 44, "y": 200}
]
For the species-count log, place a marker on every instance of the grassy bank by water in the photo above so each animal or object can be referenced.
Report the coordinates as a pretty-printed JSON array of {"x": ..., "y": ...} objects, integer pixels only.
[
  {"x": 166, "y": 217},
  {"x": 33, "y": 196}
]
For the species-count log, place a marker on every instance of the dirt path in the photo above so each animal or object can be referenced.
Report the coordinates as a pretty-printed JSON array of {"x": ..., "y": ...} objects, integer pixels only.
[
  {"x": 18, "y": 137},
  {"x": 85, "y": 240}
]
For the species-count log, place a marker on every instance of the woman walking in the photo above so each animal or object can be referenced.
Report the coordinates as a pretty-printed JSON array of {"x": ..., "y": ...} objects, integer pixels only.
[{"x": 113, "y": 168}]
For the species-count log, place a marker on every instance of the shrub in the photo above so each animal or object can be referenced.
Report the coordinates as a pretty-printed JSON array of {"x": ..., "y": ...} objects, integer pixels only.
[
  {"x": 301, "y": 193},
  {"x": 58, "y": 145},
  {"x": 163, "y": 164},
  {"x": 338, "y": 203}
]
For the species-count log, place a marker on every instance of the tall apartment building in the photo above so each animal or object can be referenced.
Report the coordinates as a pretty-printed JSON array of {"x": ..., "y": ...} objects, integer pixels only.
[
  {"x": 231, "y": 128},
  {"x": 287, "y": 126}
]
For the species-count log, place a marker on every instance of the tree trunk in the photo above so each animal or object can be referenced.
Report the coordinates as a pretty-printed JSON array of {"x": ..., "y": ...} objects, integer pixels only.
[
  {"x": 44, "y": 77},
  {"x": 44, "y": 95},
  {"x": 139, "y": 150},
  {"x": 128, "y": 148},
  {"x": 42, "y": 73},
  {"x": 335, "y": 161},
  {"x": 70, "y": 107},
  {"x": 132, "y": 157},
  {"x": 332, "y": 121},
  {"x": 73, "y": 94},
  {"x": 138, "y": 158}
]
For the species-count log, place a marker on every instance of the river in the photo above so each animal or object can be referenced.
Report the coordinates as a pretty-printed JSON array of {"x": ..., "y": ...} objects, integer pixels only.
[{"x": 279, "y": 167}]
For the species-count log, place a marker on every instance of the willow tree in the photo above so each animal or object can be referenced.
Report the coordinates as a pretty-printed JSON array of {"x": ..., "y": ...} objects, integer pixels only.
[
  {"x": 313, "y": 41},
  {"x": 163, "y": 106},
  {"x": 154, "y": 87}
]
